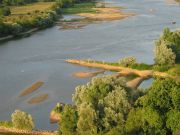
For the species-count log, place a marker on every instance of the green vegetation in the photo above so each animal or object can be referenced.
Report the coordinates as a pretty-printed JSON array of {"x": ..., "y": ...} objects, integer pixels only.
[
  {"x": 19, "y": 120},
  {"x": 80, "y": 8},
  {"x": 157, "y": 110},
  {"x": 27, "y": 17},
  {"x": 101, "y": 107},
  {"x": 106, "y": 106},
  {"x": 15, "y": 19},
  {"x": 167, "y": 50},
  {"x": 22, "y": 120},
  {"x": 7, "y": 124}
]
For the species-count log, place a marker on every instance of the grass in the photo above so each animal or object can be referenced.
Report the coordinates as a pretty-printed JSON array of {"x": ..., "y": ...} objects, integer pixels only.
[
  {"x": 30, "y": 8},
  {"x": 175, "y": 70},
  {"x": 139, "y": 66},
  {"x": 86, "y": 7},
  {"x": 7, "y": 124}
]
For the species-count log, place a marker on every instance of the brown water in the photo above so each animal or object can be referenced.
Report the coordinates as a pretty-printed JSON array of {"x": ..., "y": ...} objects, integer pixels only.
[{"x": 41, "y": 56}]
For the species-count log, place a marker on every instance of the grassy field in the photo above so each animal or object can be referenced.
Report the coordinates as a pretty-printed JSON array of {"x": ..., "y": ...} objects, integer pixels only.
[
  {"x": 81, "y": 8},
  {"x": 29, "y": 8}
]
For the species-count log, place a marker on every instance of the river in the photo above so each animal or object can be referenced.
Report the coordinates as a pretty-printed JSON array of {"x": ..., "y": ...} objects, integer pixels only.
[{"x": 41, "y": 56}]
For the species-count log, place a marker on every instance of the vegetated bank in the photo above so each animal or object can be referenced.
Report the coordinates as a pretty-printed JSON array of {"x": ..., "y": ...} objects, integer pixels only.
[{"x": 23, "y": 18}]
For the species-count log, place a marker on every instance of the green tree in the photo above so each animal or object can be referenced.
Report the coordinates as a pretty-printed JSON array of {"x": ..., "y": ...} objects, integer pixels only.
[
  {"x": 68, "y": 122},
  {"x": 87, "y": 122},
  {"x": 167, "y": 48},
  {"x": 22, "y": 120},
  {"x": 5, "y": 11},
  {"x": 145, "y": 121},
  {"x": 157, "y": 110},
  {"x": 173, "y": 120},
  {"x": 103, "y": 105},
  {"x": 163, "y": 54}
]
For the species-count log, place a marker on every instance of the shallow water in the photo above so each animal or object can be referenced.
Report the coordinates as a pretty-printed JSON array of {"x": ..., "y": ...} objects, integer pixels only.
[{"x": 41, "y": 56}]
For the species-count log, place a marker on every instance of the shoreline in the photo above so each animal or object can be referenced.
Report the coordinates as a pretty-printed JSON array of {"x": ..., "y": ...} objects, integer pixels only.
[
  {"x": 123, "y": 71},
  {"x": 5, "y": 130},
  {"x": 26, "y": 33}
]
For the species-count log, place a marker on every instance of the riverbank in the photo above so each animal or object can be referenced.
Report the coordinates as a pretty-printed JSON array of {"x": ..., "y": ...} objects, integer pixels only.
[
  {"x": 106, "y": 14},
  {"x": 13, "y": 131},
  {"x": 97, "y": 13},
  {"x": 173, "y": 1},
  {"x": 23, "y": 34},
  {"x": 90, "y": 11},
  {"x": 123, "y": 71}
]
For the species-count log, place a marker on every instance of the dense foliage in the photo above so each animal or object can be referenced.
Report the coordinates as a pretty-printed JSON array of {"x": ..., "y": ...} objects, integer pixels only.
[
  {"x": 105, "y": 106},
  {"x": 16, "y": 24},
  {"x": 22, "y": 120},
  {"x": 158, "y": 111},
  {"x": 167, "y": 51},
  {"x": 102, "y": 107}
]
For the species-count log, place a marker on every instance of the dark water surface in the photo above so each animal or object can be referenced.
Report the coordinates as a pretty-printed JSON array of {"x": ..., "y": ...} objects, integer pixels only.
[{"x": 41, "y": 56}]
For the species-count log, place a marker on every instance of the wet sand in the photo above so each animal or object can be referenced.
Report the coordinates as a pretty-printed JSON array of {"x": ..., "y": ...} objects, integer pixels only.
[
  {"x": 101, "y": 15},
  {"x": 38, "y": 99},
  {"x": 106, "y": 14},
  {"x": 124, "y": 71},
  {"x": 87, "y": 74},
  {"x": 35, "y": 86}
]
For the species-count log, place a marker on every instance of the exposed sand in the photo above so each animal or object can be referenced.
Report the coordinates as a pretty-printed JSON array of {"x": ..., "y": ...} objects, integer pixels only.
[
  {"x": 87, "y": 74},
  {"x": 101, "y": 15},
  {"x": 171, "y": 2},
  {"x": 134, "y": 84},
  {"x": 54, "y": 117},
  {"x": 35, "y": 86},
  {"x": 75, "y": 24},
  {"x": 106, "y": 14},
  {"x": 124, "y": 71},
  {"x": 38, "y": 99},
  {"x": 13, "y": 131}
]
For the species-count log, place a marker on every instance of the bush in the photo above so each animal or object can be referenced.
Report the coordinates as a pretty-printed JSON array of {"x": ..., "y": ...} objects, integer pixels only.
[
  {"x": 7, "y": 124},
  {"x": 5, "y": 11},
  {"x": 22, "y": 120},
  {"x": 167, "y": 49},
  {"x": 127, "y": 61},
  {"x": 161, "y": 68},
  {"x": 141, "y": 66}
]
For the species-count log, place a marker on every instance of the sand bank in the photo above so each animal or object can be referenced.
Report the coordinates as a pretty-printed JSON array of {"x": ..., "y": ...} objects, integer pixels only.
[
  {"x": 87, "y": 74},
  {"x": 38, "y": 99},
  {"x": 35, "y": 86},
  {"x": 106, "y": 14}
]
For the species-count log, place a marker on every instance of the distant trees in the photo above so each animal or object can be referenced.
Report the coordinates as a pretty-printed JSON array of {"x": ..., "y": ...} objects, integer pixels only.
[
  {"x": 22, "y": 120},
  {"x": 16, "y": 2},
  {"x": 167, "y": 48}
]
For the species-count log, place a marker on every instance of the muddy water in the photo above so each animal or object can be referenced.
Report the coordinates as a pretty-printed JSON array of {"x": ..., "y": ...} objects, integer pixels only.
[{"x": 41, "y": 56}]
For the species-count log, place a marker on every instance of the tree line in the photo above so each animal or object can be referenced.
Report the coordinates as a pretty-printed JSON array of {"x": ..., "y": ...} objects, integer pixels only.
[{"x": 14, "y": 25}]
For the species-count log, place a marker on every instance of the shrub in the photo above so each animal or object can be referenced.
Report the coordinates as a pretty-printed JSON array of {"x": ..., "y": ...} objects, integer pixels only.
[
  {"x": 22, "y": 120},
  {"x": 5, "y": 11},
  {"x": 141, "y": 66},
  {"x": 7, "y": 124},
  {"x": 127, "y": 61},
  {"x": 167, "y": 49},
  {"x": 161, "y": 68}
]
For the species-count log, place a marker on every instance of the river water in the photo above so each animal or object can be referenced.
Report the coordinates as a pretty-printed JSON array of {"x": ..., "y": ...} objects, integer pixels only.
[{"x": 41, "y": 56}]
